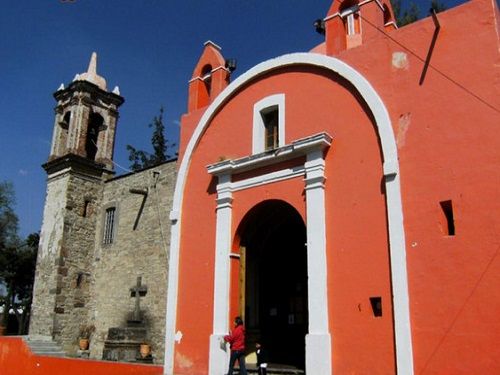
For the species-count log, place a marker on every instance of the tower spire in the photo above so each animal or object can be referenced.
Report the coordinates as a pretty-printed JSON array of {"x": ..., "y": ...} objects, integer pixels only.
[
  {"x": 91, "y": 74},
  {"x": 92, "y": 70}
]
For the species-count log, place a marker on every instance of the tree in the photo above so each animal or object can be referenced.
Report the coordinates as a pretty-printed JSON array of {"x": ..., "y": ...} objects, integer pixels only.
[
  {"x": 406, "y": 16},
  {"x": 8, "y": 218},
  {"x": 17, "y": 262},
  {"x": 412, "y": 12},
  {"x": 17, "y": 273},
  {"x": 438, "y": 6},
  {"x": 141, "y": 159}
]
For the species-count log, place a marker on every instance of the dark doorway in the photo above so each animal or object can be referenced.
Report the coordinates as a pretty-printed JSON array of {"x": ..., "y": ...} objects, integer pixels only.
[{"x": 275, "y": 286}]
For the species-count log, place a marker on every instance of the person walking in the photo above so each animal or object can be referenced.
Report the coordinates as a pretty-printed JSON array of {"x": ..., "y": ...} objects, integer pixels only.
[
  {"x": 236, "y": 340},
  {"x": 261, "y": 359}
]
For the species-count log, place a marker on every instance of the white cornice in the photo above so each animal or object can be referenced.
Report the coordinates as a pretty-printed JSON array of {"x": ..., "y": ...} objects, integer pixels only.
[{"x": 300, "y": 147}]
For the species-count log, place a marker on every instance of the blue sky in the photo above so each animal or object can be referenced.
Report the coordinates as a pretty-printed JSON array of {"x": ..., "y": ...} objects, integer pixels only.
[{"x": 146, "y": 47}]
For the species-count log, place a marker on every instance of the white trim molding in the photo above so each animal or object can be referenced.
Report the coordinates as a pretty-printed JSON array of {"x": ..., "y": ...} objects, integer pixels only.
[
  {"x": 399, "y": 278},
  {"x": 318, "y": 338},
  {"x": 259, "y": 141},
  {"x": 222, "y": 278}
]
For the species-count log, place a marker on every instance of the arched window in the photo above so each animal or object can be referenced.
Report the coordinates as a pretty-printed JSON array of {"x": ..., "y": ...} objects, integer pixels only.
[
  {"x": 66, "y": 119},
  {"x": 269, "y": 123},
  {"x": 206, "y": 76},
  {"x": 95, "y": 124},
  {"x": 387, "y": 14},
  {"x": 63, "y": 133},
  {"x": 350, "y": 13}
]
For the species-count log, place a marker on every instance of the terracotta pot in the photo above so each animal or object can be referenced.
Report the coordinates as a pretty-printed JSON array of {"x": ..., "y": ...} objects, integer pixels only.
[
  {"x": 83, "y": 344},
  {"x": 145, "y": 350}
]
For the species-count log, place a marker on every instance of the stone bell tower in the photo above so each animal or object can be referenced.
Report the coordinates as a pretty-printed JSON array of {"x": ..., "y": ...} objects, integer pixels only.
[
  {"x": 86, "y": 116},
  {"x": 80, "y": 160}
]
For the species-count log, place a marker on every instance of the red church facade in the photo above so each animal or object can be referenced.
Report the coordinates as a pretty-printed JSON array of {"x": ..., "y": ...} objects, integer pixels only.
[{"x": 343, "y": 201}]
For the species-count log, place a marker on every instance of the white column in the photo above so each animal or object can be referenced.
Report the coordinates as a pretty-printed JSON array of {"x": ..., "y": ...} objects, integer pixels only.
[
  {"x": 172, "y": 293},
  {"x": 219, "y": 358},
  {"x": 401, "y": 302},
  {"x": 318, "y": 340}
]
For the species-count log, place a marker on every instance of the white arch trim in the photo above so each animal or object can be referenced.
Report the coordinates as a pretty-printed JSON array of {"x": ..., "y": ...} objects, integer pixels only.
[{"x": 404, "y": 352}]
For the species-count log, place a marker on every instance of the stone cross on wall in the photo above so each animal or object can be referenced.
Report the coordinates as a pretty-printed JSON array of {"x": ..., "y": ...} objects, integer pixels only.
[{"x": 138, "y": 291}]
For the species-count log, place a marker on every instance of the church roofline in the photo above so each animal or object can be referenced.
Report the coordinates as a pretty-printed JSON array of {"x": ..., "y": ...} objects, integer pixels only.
[
  {"x": 141, "y": 170},
  {"x": 89, "y": 87},
  {"x": 75, "y": 162}
]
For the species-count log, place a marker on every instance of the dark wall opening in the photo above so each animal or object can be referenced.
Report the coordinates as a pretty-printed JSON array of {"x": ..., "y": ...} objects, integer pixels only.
[{"x": 276, "y": 310}]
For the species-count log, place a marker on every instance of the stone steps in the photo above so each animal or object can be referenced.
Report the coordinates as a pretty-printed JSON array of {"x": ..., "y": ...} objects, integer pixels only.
[
  {"x": 44, "y": 346},
  {"x": 274, "y": 370}
]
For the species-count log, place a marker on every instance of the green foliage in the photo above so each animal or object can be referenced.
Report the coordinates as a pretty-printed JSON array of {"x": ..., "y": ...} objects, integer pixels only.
[
  {"x": 407, "y": 15},
  {"x": 438, "y": 6},
  {"x": 8, "y": 218},
  {"x": 410, "y": 14},
  {"x": 161, "y": 146},
  {"x": 86, "y": 331},
  {"x": 17, "y": 262},
  {"x": 17, "y": 273}
]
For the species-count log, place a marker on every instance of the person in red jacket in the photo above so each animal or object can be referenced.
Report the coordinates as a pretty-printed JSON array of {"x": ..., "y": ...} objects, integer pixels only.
[{"x": 236, "y": 340}]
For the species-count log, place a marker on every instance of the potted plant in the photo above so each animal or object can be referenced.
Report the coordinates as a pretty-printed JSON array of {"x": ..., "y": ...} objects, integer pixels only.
[
  {"x": 86, "y": 331},
  {"x": 145, "y": 349}
]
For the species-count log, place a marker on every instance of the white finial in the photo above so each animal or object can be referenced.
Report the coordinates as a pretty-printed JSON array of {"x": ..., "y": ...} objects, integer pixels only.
[
  {"x": 61, "y": 87},
  {"x": 116, "y": 90},
  {"x": 77, "y": 77}
]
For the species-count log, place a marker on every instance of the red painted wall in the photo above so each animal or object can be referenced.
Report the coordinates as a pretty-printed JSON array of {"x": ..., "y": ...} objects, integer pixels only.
[
  {"x": 448, "y": 143},
  {"x": 356, "y": 227},
  {"x": 17, "y": 359},
  {"x": 449, "y": 149}
]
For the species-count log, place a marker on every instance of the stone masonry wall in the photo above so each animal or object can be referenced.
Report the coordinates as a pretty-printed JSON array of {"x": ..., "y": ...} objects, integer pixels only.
[
  {"x": 61, "y": 290},
  {"x": 75, "y": 261},
  {"x": 44, "y": 290},
  {"x": 142, "y": 251}
]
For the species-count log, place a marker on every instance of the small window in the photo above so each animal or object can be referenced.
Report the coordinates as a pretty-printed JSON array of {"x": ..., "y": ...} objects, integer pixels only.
[
  {"x": 79, "y": 280},
  {"x": 109, "y": 225},
  {"x": 271, "y": 125},
  {"x": 448, "y": 222},
  {"x": 353, "y": 26},
  {"x": 376, "y": 303},
  {"x": 86, "y": 208}
]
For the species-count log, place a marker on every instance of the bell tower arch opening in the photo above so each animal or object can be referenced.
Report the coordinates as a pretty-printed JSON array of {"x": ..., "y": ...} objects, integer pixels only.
[
  {"x": 94, "y": 127},
  {"x": 273, "y": 289}
]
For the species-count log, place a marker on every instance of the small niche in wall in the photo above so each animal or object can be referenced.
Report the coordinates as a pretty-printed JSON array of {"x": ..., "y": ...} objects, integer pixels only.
[
  {"x": 448, "y": 220},
  {"x": 376, "y": 303},
  {"x": 79, "y": 280},
  {"x": 86, "y": 208}
]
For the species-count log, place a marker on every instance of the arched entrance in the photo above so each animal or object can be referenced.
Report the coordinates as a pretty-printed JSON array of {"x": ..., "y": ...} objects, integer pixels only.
[{"x": 274, "y": 265}]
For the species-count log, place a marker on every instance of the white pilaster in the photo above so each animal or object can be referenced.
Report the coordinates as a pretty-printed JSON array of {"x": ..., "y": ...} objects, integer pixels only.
[
  {"x": 318, "y": 340},
  {"x": 401, "y": 302},
  {"x": 218, "y": 357}
]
